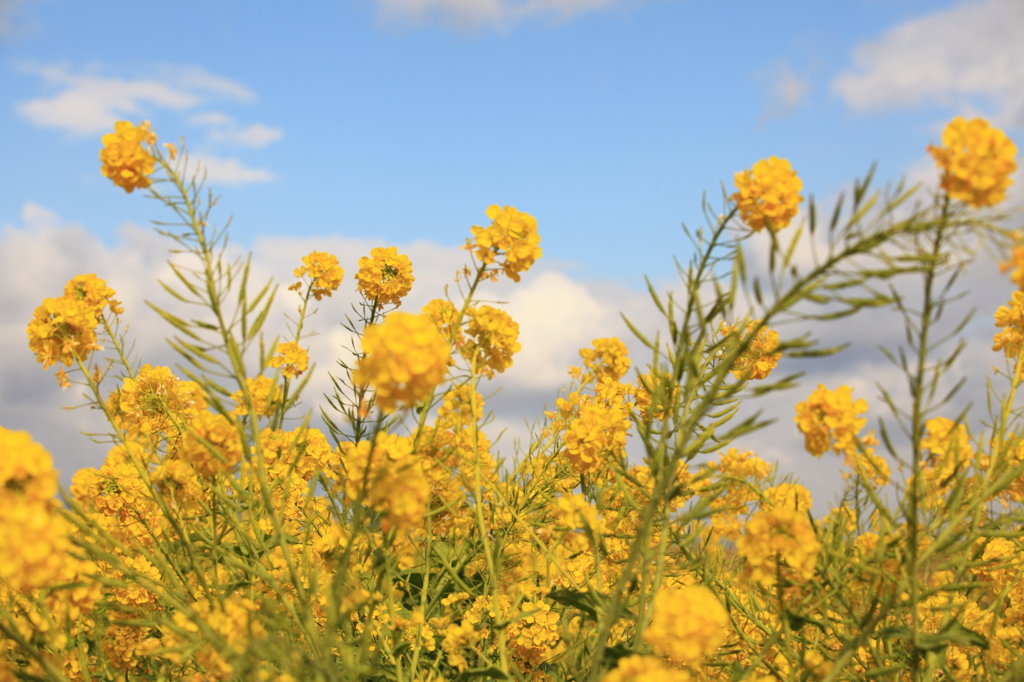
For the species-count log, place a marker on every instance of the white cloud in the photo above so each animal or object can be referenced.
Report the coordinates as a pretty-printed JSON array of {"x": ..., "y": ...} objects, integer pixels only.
[
  {"x": 231, "y": 171},
  {"x": 949, "y": 56},
  {"x": 785, "y": 90},
  {"x": 475, "y": 14},
  {"x": 88, "y": 102}
]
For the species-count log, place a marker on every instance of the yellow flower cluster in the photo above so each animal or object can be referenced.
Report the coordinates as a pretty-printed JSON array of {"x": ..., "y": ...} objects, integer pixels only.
[
  {"x": 155, "y": 401},
  {"x": 264, "y": 394},
  {"x": 492, "y": 340},
  {"x": 211, "y": 444},
  {"x": 760, "y": 357},
  {"x": 292, "y": 358},
  {"x": 607, "y": 357},
  {"x": 768, "y": 194},
  {"x": 779, "y": 540},
  {"x": 126, "y": 156},
  {"x": 1010, "y": 318},
  {"x": 33, "y": 538},
  {"x": 637, "y": 668},
  {"x": 63, "y": 329},
  {"x": 512, "y": 234},
  {"x": 323, "y": 271},
  {"x": 404, "y": 359},
  {"x": 976, "y": 161},
  {"x": 688, "y": 624},
  {"x": 831, "y": 419},
  {"x": 1016, "y": 266},
  {"x": 596, "y": 434},
  {"x": 385, "y": 276},
  {"x": 388, "y": 476}
]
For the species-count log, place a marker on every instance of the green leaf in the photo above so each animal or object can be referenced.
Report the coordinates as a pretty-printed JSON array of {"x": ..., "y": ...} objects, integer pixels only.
[{"x": 584, "y": 601}]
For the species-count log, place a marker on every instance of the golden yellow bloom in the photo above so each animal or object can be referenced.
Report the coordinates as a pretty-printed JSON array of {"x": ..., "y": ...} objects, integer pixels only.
[
  {"x": 511, "y": 234},
  {"x": 211, "y": 444},
  {"x": 26, "y": 468},
  {"x": 607, "y": 358},
  {"x": 265, "y": 396},
  {"x": 388, "y": 476},
  {"x": 444, "y": 315},
  {"x": 405, "y": 357},
  {"x": 156, "y": 401},
  {"x": 94, "y": 292},
  {"x": 1016, "y": 262},
  {"x": 385, "y": 276},
  {"x": 61, "y": 330},
  {"x": 759, "y": 358},
  {"x": 976, "y": 161},
  {"x": 689, "y": 623},
  {"x": 637, "y": 668},
  {"x": 324, "y": 271},
  {"x": 492, "y": 340},
  {"x": 292, "y": 358},
  {"x": 1010, "y": 318},
  {"x": 779, "y": 539},
  {"x": 126, "y": 157},
  {"x": 768, "y": 194},
  {"x": 792, "y": 495},
  {"x": 830, "y": 418},
  {"x": 532, "y": 638},
  {"x": 595, "y": 435}
]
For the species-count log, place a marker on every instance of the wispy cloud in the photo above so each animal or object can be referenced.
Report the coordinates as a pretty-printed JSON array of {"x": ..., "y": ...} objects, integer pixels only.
[
  {"x": 224, "y": 129},
  {"x": 89, "y": 102},
  {"x": 785, "y": 90},
  {"x": 231, "y": 171},
  {"x": 470, "y": 15},
  {"x": 950, "y": 56}
]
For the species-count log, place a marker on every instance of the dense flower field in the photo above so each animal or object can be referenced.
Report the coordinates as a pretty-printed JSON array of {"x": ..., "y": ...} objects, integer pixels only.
[{"x": 218, "y": 541}]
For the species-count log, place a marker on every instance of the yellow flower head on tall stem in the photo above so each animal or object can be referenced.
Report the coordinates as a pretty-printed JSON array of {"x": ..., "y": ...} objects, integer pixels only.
[
  {"x": 324, "y": 271},
  {"x": 768, "y": 194},
  {"x": 385, "y": 276},
  {"x": 292, "y": 358},
  {"x": 126, "y": 155},
  {"x": 404, "y": 359},
  {"x": 492, "y": 339},
  {"x": 689, "y": 623},
  {"x": 513, "y": 235},
  {"x": 831, "y": 419},
  {"x": 94, "y": 292},
  {"x": 1010, "y": 318},
  {"x": 760, "y": 357},
  {"x": 976, "y": 161},
  {"x": 62, "y": 329}
]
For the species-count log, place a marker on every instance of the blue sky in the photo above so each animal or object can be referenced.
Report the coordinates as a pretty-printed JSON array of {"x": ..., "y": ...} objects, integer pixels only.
[{"x": 397, "y": 122}]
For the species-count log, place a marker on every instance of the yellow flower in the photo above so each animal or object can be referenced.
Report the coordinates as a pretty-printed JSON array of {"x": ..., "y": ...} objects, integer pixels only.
[
  {"x": 759, "y": 358},
  {"x": 511, "y": 234},
  {"x": 324, "y": 271},
  {"x": 156, "y": 401},
  {"x": 493, "y": 335},
  {"x": 637, "y": 668},
  {"x": 792, "y": 495},
  {"x": 291, "y": 358},
  {"x": 608, "y": 358},
  {"x": 63, "y": 329},
  {"x": 768, "y": 194},
  {"x": 1017, "y": 263},
  {"x": 595, "y": 435},
  {"x": 126, "y": 158},
  {"x": 211, "y": 444},
  {"x": 689, "y": 623},
  {"x": 1010, "y": 318},
  {"x": 385, "y": 276},
  {"x": 26, "y": 468},
  {"x": 388, "y": 476},
  {"x": 94, "y": 292},
  {"x": 976, "y": 161},
  {"x": 405, "y": 358},
  {"x": 265, "y": 396},
  {"x": 831, "y": 419},
  {"x": 779, "y": 539}
]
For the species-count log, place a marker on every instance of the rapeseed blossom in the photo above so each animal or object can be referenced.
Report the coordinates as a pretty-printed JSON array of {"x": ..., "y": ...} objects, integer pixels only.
[
  {"x": 126, "y": 155},
  {"x": 831, "y": 419},
  {"x": 491, "y": 340},
  {"x": 513, "y": 235},
  {"x": 760, "y": 357},
  {"x": 767, "y": 194},
  {"x": 323, "y": 271},
  {"x": 404, "y": 359},
  {"x": 155, "y": 401},
  {"x": 688, "y": 624},
  {"x": 62, "y": 330},
  {"x": 779, "y": 539},
  {"x": 638, "y": 668},
  {"x": 1010, "y": 318},
  {"x": 385, "y": 276},
  {"x": 607, "y": 357},
  {"x": 292, "y": 358},
  {"x": 976, "y": 161}
]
